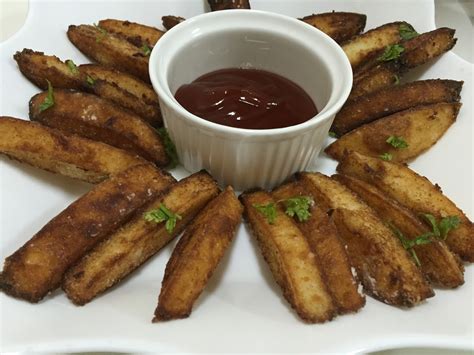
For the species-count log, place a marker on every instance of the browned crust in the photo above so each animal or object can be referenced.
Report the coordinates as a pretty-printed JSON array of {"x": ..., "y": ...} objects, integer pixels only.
[
  {"x": 124, "y": 90},
  {"x": 138, "y": 240},
  {"x": 38, "y": 266},
  {"x": 378, "y": 77},
  {"x": 291, "y": 261},
  {"x": 170, "y": 21},
  {"x": 384, "y": 267},
  {"x": 387, "y": 101},
  {"x": 38, "y": 68},
  {"x": 217, "y": 5},
  {"x": 340, "y": 26},
  {"x": 421, "y": 127},
  {"x": 136, "y": 33},
  {"x": 114, "y": 93},
  {"x": 71, "y": 156},
  {"x": 427, "y": 46},
  {"x": 438, "y": 264},
  {"x": 109, "y": 49},
  {"x": 97, "y": 119},
  {"x": 197, "y": 255},
  {"x": 415, "y": 192},
  {"x": 368, "y": 44},
  {"x": 321, "y": 234}
]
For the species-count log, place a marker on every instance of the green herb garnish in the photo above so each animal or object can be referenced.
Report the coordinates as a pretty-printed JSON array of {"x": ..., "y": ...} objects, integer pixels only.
[
  {"x": 72, "y": 67},
  {"x": 170, "y": 148},
  {"x": 48, "y": 100},
  {"x": 386, "y": 156},
  {"x": 441, "y": 229},
  {"x": 146, "y": 50},
  {"x": 299, "y": 207},
  {"x": 295, "y": 206},
  {"x": 396, "y": 79},
  {"x": 268, "y": 210},
  {"x": 332, "y": 134},
  {"x": 407, "y": 32},
  {"x": 162, "y": 214},
  {"x": 409, "y": 244},
  {"x": 397, "y": 142},
  {"x": 90, "y": 80},
  {"x": 102, "y": 33},
  {"x": 391, "y": 53}
]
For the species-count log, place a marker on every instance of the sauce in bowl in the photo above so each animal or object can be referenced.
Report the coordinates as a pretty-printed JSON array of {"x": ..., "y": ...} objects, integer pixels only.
[{"x": 247, "y": 98}]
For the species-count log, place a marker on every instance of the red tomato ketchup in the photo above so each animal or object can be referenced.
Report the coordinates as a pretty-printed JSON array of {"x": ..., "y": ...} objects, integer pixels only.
[{"x": 247, "y": 98}]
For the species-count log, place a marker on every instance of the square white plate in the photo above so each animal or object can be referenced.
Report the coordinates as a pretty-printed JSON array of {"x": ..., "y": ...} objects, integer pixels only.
[{"x": 241, "y": 310}]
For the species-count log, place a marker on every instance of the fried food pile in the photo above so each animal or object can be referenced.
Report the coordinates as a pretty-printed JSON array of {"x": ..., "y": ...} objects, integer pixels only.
[{"x": 374, "y": 228}]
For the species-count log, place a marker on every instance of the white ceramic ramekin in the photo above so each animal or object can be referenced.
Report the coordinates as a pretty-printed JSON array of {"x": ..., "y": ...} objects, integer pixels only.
[{"x": 247, "y": 158}]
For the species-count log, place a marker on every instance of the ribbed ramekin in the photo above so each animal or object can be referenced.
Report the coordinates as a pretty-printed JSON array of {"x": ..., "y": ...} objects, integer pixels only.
[{"x": 246, "y": 158}]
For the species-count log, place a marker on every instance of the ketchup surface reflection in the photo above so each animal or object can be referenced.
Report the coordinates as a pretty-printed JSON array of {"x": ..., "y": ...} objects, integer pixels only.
[{"x": 247, "y": 98}]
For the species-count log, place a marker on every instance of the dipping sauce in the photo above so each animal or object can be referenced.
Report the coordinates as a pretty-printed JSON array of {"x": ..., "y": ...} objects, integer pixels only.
[{"x": 247, "y": 98}]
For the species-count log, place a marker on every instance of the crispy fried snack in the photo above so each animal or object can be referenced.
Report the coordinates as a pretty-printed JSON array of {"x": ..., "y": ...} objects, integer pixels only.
[
  {"x": 386, "y": 270},
  {"x": 38, "y": 266},
  {"x": 136, "y": 33},
  {"x": 393, "y": 99},
  {"x": 420, "y": 127},
  {"x": 92, "y": 117},
  {"x": 340, "y": 26},
  {"x": 122, "y": 97},
  {"x": 415, "y": 192},
  {"x": 321, "y": 234},
  {"x": 39, "y": 68},
  {"x": 378, "y": 77},
  {"x": 217, "y": 5},
  {"x": 438, "y": 264},
  {"x": 369, "y": 44},
  {"x": 109, "y": 49},
  {"x": 122, "y": 89},
  {"x": 291, "y": 260},
  {"x": 197, "y": 255},
  {"x": 71, "y": 156},
  {"x": 135, "y": 242},
  {"x": 425, "y": 47},
  {"x": 170, "y": 21}
]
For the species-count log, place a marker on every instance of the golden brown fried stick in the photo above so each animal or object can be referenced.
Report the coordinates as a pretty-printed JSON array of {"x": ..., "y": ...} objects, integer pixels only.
[
  {"x": 136, "y": 33},
  {"x": 415, "y": 192},
  {"x": 386, "y": 270},
  {"x": 368, "y": 45},
  {"x": 325, "y": 243},
  {"x": 378, "y": 77},
  {"x": 170, "y": 21},
  {"x": 122, "y": 89},
  {"x": 340, "y": 26},
  {"x": 114, "y": 93},
  {"x": 109, "y": 49},
  {"x": 39, "y": 68},
  {"x": 38, "y": 266},
  {"x": 71, "y": 156},
  {"x": 419, "y": 127},
  {"x": 413, "y": 52},
  {"x": 197, "y": 255},
  {"x": 438, "y": 264},
  {"x": 426, "y": 46},
  {"x": 217, "y": 5},
  {"x": 92, "y": 117},
  {"x": 384, "y": 102},
  {"x": 136, "y": 241},
  {"x": 290, "y": 259}
]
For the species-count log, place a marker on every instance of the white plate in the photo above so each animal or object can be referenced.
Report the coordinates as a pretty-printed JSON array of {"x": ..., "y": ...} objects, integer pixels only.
[{"x": 241, "y": 310}]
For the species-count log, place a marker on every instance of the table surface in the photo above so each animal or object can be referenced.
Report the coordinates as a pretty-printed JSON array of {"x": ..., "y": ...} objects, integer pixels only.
[{"x": 461, "y": 12}]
